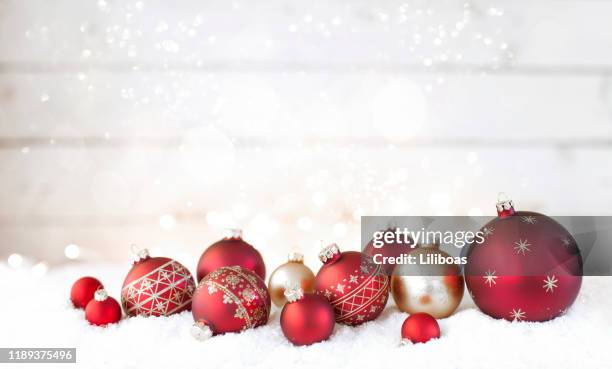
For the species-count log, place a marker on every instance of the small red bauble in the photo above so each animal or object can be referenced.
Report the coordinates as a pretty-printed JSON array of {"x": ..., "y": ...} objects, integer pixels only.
[
  {"x": 230, "y": 299},
  {"x": 393, "y": 249},
  {"x": 230, "y": 251},
  {"x": 83, "y": 291},
  {"x": 156, "y": 286},
  {"x": 528, "y": 267},
  {"x": 102, "y": 310},
  {"x": 420, "y": 328},
  {"x": 355, "y": 287},
  {"x": 306, "y": 318}
]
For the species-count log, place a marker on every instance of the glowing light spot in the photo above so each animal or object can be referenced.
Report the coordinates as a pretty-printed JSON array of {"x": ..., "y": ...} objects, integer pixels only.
[
  {"x": 40, "y": 269},
  {"x": 167, "y": 221},
  {"x": 15, "y": 260},
  {"x": 72, "y": 251}
]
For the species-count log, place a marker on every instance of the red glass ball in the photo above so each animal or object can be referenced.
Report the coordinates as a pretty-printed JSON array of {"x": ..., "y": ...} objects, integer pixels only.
[
  {"x": 231, "y": 299},
  {"x": 528, "y": 268},
  {"x": 355, "y": 287},
  {"x": 157, "y": 286},
  {"x": 420, "y": 328},
  {"x": 231, "y": 251},
  {"x": 103, "y": 312},
  {"x": 308, "y": 320},
  {"x": 83, "y": 291}
]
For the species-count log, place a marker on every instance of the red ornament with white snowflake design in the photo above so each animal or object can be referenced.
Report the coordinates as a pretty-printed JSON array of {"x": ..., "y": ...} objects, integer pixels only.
[
  {"x": 528, "y": 267},
  {"x": 231, "y": 250},
  {"x": 103, "y": 309},
  {"x": 156, "y": 286},
  {"x": 355, "y": 287},
  {"x": 230, "y": 299}
]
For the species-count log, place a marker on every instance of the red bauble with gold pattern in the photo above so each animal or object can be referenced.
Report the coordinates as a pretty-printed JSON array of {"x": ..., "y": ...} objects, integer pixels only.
[
  {"x": 528, "y": 267},
  {"x": 102, "y": 309},
  {"x": 156, "y": 286},
  {"x": 420, "y": 328},
  {"x": 231, "y": 250},
  {"x": 306, "y": 318},
  {"x": 356, "y": 288},
  {"x": 230, "y": 299},
  {"x": 83, "y": 291}
]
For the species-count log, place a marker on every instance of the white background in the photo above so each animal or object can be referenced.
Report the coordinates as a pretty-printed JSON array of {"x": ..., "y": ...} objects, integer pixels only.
[{"x": 162, "y": 122}]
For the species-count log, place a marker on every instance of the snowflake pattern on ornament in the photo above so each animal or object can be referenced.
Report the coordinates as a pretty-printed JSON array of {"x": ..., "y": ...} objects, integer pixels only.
[
  {"x": 517, "y": 315},
  {"x": 490, "y": 278},
  {"x": 161, "y": 292},
  {"x": 522, "y": 247},
  {"x": 529, "y": 219},
  {"x": 550, "y": 283}
]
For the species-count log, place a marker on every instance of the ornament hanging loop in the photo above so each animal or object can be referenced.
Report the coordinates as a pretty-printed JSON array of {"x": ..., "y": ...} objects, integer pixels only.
[
  {"x": 295, "y": 257},
  {"x": 293, "y": 292},
  {"x": 505, "y": 206},
  {"x": 100, "y": 294},
  {"x": 200, "y": 331},
  {"x": 329, "y": 254},
  {"x": 139, "y": 254},
  {"x": 233, "y": 233}
]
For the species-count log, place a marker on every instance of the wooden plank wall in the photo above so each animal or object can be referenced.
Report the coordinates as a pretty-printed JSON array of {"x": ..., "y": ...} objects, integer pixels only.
[{"x": 160, "y": 123}]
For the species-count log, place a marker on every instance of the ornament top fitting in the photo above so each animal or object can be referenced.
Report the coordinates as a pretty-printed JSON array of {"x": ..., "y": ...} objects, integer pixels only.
[
  {"x": 295, "y": 257},
  {"x": 100, "y": 295},
  {"x": 233, "y": 233},
  {"x": 293, "y": 292},
  {"x": 505, "y": 206},
  {"x": 329, "y": 253},
  {"x": 201, "y": 331},
  {"x": 139, "y": 254}
]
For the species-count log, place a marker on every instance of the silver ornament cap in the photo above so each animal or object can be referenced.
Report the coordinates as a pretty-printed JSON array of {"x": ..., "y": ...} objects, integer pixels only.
[
  {"x": 200, "y": 331},
  {"x": 233, "y": 233},
  {"x": 293, "y": 292}
]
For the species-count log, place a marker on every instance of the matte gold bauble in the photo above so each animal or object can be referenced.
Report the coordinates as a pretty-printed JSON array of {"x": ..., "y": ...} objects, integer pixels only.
[
  {"x": 292, "y": 272},
  {"x": 436, "y": 289}
]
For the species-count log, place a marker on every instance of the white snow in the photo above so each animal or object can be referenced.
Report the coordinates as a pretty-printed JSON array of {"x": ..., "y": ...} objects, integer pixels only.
[{"x": 36, "y": 313}]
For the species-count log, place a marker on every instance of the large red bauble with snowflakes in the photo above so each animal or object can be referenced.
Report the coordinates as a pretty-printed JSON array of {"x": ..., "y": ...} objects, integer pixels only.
[
  {"x": 156, "y": 286},
  {"x": 528, "y": 267},
  {"x": 356, "y": 288},
  {"x": 231, "y": 250},
  {"x": 230, "y": 299}
]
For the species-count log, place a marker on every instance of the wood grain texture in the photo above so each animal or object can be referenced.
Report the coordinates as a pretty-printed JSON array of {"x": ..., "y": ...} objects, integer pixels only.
[
  {"x": 278, "y": 106},
  {"x": 160, "y": 123}
]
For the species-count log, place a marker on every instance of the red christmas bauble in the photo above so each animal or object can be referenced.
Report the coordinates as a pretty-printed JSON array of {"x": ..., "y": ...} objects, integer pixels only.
[
  {"x": 102, "y": 310},
  {"x": 528, "y": 267},
  {"x": 355, "y": 287},
  {"x": 230, "y": 251},
  {"x": 83, "y": 291},
  {"x": 393, "y": 249},
  {"x": 306, "y": 318},
  {"x": 420, "y": 328},
  {"x": 156, "y": 286},
  {"x": 230, "y": 299}
]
